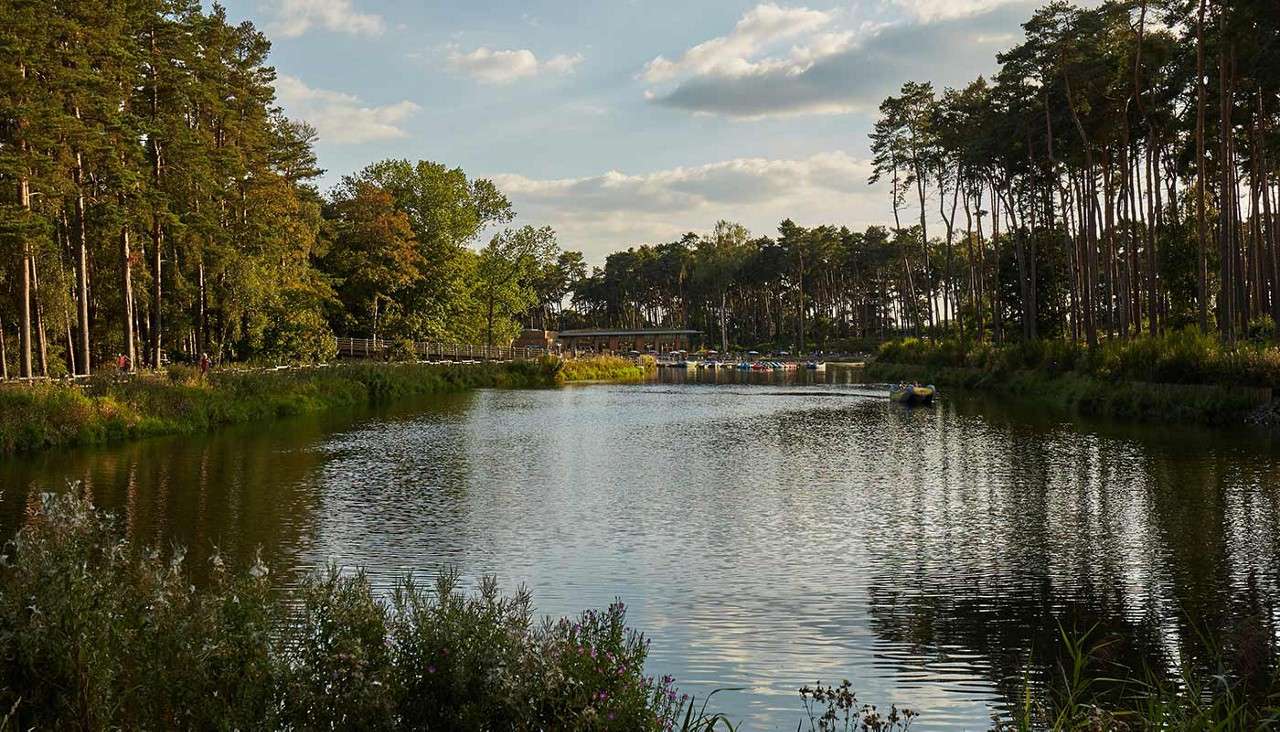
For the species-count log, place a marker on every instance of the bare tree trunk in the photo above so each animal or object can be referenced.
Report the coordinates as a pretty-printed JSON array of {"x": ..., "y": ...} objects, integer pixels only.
[
  {"x": 42, "y": 345},
  {"x": 126, "y": 293},
  {"x": 1203, "y": 293},
  {"x": 157, "y": 292},
  {"x": 1226, "y": 311},
  {"x": 1108, "y": 225},
  {"x": 63, "y": 236},
  {"x": 4, "y": 355},
  {"x": 202, "y": 311},
  {"x": 24, "y": 309},
  {"x": 81, "y": 250}
]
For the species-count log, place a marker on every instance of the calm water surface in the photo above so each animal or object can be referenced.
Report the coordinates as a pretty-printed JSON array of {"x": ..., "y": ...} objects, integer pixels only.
[{"x": 765, "y": 535}]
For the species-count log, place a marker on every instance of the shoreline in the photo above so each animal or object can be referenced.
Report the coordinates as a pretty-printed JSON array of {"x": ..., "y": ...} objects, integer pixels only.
[
  {"x": 107, "y": 409},
  {"x": 1144, "y": 401}
]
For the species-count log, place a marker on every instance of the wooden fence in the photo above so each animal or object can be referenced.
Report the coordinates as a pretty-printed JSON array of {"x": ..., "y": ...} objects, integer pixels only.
[{"x": 433, "y": 351}]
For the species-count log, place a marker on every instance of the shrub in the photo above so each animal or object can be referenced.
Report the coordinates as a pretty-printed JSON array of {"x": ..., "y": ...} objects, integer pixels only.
[
  {"x": 97, "y": 633},
  {"x": 183, "y": 374}
]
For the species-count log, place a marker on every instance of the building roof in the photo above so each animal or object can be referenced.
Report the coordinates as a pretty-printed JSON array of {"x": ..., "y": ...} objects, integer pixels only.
[{"x": 606, "y": 333}]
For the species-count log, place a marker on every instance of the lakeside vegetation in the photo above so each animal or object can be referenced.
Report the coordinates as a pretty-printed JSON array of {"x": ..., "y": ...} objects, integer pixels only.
[
  {"x": 606, "y": 368},
  {"x": 97, "y": 632},
  {"x": 111, "y": 407},
  {"x": 1177, "y": 375}
]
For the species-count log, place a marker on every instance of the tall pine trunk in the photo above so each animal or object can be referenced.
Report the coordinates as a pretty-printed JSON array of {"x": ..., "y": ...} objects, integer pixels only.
[
  {"x": 24, "y": 290},
  {"x": 81, "y": 250},
  {"x": 1201, "y": 181},
  {"x": 126, "y": 290}
]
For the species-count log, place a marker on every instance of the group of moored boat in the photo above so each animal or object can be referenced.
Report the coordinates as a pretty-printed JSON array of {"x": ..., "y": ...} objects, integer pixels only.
[
  {"x": 712, "y": 365},
  {"x": 906, "y": 394}
]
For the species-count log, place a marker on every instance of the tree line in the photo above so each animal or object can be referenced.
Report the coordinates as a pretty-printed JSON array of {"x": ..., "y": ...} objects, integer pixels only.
[
  {"x": 1117, "y": 176},
  {"x": 160, "y": 206}
]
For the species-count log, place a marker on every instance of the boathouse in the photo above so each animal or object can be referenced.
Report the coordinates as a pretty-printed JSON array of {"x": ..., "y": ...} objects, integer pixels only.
[{"x": 658, "y": 340}]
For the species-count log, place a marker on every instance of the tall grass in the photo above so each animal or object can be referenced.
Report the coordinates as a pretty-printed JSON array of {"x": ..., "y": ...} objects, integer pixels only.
[
  {"x": 1183, "y": 375},
  {"x": 96, "y": 633},
  {"x": 1087, "y": 689},
  {"x": 109, "y": 408},
  {"x": 605, "y": 368},
  {"x": 1180, "y": 357}
]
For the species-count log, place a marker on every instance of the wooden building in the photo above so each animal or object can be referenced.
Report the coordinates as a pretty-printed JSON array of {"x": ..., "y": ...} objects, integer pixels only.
[{"x": 657, "y": 340}]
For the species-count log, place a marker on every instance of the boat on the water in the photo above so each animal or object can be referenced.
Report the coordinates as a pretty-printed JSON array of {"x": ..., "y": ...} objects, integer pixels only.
[
  {"x": 912, "y": 394},
  {"x": 816, "y": 366}
]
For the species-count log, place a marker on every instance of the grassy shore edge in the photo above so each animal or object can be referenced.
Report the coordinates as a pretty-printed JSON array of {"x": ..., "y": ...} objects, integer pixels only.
[
  {"x": 1090, "y": 396},
  {"x": 108, "y": 409}
]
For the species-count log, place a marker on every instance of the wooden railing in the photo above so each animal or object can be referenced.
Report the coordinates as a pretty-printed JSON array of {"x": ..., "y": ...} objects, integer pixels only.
[{"x": 435, "y": 351}]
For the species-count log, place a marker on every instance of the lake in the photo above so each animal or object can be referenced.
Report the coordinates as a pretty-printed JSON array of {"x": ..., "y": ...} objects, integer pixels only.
[{"x": 765, "y": 531}]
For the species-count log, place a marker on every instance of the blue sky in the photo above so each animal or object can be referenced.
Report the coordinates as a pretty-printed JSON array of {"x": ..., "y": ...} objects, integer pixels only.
[{"x": 626, "y": 122}]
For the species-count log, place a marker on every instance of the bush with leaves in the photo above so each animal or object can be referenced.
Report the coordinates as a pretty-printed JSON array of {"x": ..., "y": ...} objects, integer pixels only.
[{"x": 97, "y": 633}]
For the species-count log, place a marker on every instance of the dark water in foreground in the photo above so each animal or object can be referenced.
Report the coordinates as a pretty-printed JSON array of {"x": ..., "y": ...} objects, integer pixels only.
[{"x": 765, "y": 535}]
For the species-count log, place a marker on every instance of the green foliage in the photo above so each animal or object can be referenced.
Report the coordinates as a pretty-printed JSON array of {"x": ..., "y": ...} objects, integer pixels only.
[
  {"x": 98, "y": 633},
  {"x": 111, "y": 407},
  {"x": 1088, "y": 687},
  {"x": 604, "y": 368},
  {"x": 1182, "y": 375},
  {"x": 1180, "y": 357}
]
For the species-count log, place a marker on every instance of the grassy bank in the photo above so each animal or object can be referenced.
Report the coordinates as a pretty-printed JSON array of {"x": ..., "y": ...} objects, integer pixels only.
[
  {"x": 1181, "y": 376},
  {"x": 606, "y": 368},
  {"x": 108, "y": 408}
]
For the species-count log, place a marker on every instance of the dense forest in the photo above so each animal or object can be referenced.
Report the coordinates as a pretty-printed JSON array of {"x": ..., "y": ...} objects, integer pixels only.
[
  {"x": 158, "y": 204},
  {"x": 1119, "y": 175}
]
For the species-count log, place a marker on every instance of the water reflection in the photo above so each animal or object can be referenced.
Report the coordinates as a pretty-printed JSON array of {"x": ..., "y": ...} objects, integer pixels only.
[{"x": 766, "y": 533}]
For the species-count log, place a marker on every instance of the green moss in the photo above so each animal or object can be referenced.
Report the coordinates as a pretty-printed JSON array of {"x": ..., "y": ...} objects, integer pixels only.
[{"x": 110, "y": 409}]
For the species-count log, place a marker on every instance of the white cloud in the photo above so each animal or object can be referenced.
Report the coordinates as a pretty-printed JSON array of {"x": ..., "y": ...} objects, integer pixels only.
[
  {"x": 504, "y": 66},
  {"x": 563, "y": 63},
  {"x": 615, "y": 210},
  {"x": 930, "y": 10},
  {"x": 340, "y": 117},
  {"x": 760, "y": 29},
  {"x": 832, "y": 69},
  {"x": 296, "y": 17}
]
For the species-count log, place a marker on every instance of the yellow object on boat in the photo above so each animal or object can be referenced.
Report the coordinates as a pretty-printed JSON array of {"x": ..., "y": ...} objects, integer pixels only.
[{"x": 911, "y": 394}]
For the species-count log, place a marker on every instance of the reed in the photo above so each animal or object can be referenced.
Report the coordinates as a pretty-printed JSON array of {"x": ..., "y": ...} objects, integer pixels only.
[{"x": 606, "y": 368}]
